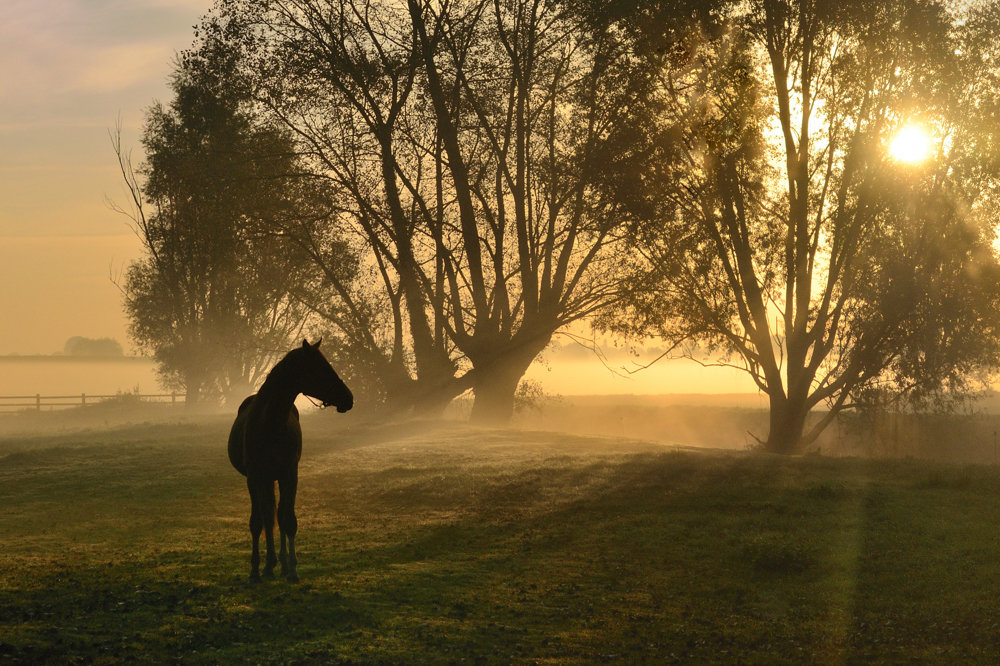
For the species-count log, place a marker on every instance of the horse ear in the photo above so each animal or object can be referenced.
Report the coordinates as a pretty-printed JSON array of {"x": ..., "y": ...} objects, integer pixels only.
[
  {"x": 316, "y": 346},
  {"x": 305, "y": 343}
]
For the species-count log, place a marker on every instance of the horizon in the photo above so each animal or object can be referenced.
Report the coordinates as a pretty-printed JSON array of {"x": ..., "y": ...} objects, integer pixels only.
[{"x": 561, "y": 372}]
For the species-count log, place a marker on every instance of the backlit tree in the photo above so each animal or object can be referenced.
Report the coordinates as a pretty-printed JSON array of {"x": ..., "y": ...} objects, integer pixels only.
[{"x": 788, "y": 240}]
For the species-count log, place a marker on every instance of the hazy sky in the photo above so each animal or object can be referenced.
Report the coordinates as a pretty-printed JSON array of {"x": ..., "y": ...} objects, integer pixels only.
[{"x": 70, "y": 68}]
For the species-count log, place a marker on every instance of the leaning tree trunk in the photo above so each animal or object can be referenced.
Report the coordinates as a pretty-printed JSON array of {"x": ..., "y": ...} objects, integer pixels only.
[
  {"x": 428, "y": 397},
  {"x": 495, "y": 377},
  {"x": 494, "y": 387}
]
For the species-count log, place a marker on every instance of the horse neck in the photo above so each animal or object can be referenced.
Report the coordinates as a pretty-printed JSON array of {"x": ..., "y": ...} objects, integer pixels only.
[{"x": 280, "y": 388}]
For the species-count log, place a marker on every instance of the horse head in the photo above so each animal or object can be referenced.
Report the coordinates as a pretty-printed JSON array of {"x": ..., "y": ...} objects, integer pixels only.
[{"x": 320, "y": 380}]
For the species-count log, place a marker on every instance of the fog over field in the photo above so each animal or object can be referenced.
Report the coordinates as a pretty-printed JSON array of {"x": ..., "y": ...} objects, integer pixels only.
[
  {"x": 562, "y": 370},
  {"x": 432, "y": 541},
  {"x": 621, "y": 404},
  {"x": 62, "y": 375}
]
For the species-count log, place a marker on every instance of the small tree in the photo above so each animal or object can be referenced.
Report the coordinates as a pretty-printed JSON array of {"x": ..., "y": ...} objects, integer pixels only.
[
  {"x": 210, "y": 298},
  {"x": 80, "y": 346}
]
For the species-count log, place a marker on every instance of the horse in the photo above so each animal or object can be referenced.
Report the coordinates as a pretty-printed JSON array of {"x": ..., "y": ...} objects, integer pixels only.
[{"x": 265, "y": 445}]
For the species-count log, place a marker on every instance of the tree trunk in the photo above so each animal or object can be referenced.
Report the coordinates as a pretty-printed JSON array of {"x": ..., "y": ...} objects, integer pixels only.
[
  {"x": 495, "y": 377},
  {"x": 429, "y": 398},
  {"x": 192, "y": 393},
  {"x": 431, "y": 404},
  {"x": 494, "y": 387},
  {"x": 196, "y": 385},
  {"x": 787, "y": 424}
]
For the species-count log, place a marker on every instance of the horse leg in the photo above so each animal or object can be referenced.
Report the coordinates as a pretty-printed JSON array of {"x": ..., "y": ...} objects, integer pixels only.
[
  {"x": 267, "y": 514},
  {"x": 256, "y": 525},
  {"x": 288, "y": 525},
  {"x": 283, "y": 553}
]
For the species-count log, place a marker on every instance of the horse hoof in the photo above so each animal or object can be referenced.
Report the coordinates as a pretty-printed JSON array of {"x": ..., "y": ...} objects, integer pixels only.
[
  {"x": 292, "y": 577},
  {"x": 254, "y": 578},
  {"x": 269, "y": 575}
]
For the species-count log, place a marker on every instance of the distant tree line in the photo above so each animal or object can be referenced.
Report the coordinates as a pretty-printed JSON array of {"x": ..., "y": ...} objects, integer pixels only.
[
  {"x": 440, "y": 187},
  {"x": 81, "y": 346}
]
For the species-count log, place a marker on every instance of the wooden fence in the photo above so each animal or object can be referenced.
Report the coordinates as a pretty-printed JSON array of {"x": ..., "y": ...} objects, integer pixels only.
[{"x": 39, "y": 402}]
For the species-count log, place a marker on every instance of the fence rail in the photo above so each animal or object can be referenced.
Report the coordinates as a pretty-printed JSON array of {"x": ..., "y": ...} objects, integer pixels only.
[{"x": 39, "y": 402}]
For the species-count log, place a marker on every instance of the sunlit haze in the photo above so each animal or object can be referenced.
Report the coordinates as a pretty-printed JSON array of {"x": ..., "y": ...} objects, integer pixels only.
[
  {"x": 911, "y": 144},
  {"x": 71, "y": 68}
]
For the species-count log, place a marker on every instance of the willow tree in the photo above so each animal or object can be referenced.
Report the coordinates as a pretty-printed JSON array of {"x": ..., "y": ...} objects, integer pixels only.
[
  {"x": 210, "y": 297},
  {"x": 525, "y": 97},
  {"x": 787, "y": 238},
  {"x": 469, "y": 143}
]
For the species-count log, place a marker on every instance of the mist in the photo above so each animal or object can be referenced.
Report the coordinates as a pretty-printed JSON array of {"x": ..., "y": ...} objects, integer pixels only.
[{"x": 67, "y": 375}]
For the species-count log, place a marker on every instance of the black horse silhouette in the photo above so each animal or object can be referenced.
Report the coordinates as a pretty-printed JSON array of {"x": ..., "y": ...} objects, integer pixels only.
[{"x": 265, "y": 445}]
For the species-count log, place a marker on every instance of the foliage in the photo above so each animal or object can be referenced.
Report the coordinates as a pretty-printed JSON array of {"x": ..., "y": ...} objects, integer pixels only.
[
  {"x": 782, "y": 237},
  {"x": 469, "y": 144},
  {"x": 529, "y": 396},
  {"x": 211, "y": 298},
  {"x": 81, "y": 346}
]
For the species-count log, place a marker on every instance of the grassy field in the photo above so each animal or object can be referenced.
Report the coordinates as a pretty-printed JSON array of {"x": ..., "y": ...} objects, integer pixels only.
[{"x": 434, "y": 542}]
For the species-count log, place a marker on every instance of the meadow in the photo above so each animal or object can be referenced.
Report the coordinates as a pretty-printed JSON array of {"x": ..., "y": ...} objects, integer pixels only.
[{"x": 435, "y": 542}]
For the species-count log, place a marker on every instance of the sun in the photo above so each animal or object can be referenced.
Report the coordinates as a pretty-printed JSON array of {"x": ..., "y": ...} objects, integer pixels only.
[{"x": 911, "y": 145}]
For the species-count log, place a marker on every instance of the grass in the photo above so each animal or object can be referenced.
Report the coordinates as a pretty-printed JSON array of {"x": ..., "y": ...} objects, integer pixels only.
[{"x": 436, "y": 543}]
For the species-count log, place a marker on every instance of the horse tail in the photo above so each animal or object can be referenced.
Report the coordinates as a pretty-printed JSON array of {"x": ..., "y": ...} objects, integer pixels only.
[{"x": 236, "y": 435}]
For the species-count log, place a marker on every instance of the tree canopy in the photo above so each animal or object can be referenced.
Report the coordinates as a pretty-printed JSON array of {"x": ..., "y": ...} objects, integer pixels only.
[
  {"x": 785, "y": 238},
  {"x": 444, "y": 186},
  {"x": 81, "y": 346},
  {"x": 210, "y": 298},
  {"x": 468, "y": 143}
]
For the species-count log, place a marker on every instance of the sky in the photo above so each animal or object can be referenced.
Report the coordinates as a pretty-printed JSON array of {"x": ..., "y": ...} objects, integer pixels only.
[{"x": 71, "y": 68}]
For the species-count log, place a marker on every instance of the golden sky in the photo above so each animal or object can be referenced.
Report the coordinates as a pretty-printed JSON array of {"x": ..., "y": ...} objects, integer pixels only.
[{"x": 70, "y": 68}]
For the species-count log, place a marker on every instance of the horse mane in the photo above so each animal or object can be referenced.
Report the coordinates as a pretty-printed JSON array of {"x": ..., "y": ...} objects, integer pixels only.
[{"x": 281, "y": 368}]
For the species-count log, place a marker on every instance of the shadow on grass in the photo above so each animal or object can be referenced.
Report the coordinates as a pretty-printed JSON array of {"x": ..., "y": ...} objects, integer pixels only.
[{"x": 125, "y": 614}]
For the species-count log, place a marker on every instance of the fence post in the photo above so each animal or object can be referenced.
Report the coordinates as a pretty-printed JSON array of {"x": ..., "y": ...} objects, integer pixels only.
[
  {"x": 173, "y": 398},
  {"x": 83, "y": 399},
  {"x": 38, "y": 401}
]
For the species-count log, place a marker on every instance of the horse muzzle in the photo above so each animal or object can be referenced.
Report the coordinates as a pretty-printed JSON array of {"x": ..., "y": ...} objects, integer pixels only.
[{"x": 343, "y": 403}]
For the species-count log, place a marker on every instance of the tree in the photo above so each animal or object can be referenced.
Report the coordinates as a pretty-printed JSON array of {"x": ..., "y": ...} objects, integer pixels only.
[
  {"x": 211, "y": 297},
  {"x": 80, "y": 346},
  {"x": 785, "y": 238},
  {"x": 340, "y": 87},
  {"x": 467, "y": 142}
]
